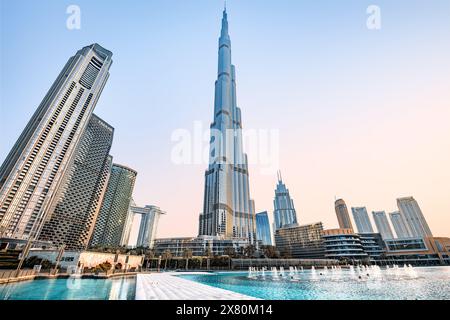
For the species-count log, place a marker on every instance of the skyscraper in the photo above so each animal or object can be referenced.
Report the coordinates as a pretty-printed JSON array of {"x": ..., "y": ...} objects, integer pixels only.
[
  {"x": 114, "y": 210},
  {"x": 34, "y": 170},
  {"x": 401, "y": 230},
  {"x": 382, "y": 223},
  {"x": 284, "y": 212},
  {"x": 228, "y": 211},
  {"x": 149, "y": 224},
  {"x": 414, "y": 218},
  {"x": 362, "y": 220},
  {"x": 342, "y": 214},
  {"x": 263, "y": 228},
  {"x": 71, "y": 220}
]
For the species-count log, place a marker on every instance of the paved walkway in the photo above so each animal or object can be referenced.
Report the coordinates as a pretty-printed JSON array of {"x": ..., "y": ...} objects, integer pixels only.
[{"x": 167, "y": 286}]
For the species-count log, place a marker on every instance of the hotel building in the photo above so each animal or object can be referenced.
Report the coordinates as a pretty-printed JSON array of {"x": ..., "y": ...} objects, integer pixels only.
[
  {"x": 149, "y": 223},
  {"x": 413, "y": 217},
  {"x": 397, "y": 220},
  {"x": 263, "y": 233},
  {"x": 343, "y": 245},
  {"x": 362, "y": 221},
  {"x": 284, "y": 213},
  {"x": 342, "y": 214},
  {"x": 382, "y": 224}
]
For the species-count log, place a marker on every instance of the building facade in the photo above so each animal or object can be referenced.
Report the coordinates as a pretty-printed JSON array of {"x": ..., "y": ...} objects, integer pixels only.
[
  {"x": 362, "y": 221},
  {"x": 200, "y": 246},
  {"x": 343, "y": 245},
  {"x": 342, "y": 214},
  {"x": 284, "y": 213},
  {"x": 399, "y": 224},
  {"x": 113, "y": 213},
  {"x": 71, "y": 221},
  {"x": 149, "y": 224},
  {"x": 263, "y": 233},
  {"x": 301, "y": 242},
  {"x": 413, "y": 217},
  {"x": 373, "y": 245},
  {"x": 33, "y": 172},
  {"x": 382, "y": 224},
  {"x": 228, "y": 210}
]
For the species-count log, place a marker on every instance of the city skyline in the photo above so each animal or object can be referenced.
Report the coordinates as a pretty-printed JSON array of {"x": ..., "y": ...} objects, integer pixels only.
[{"x": 307, "y": 177}]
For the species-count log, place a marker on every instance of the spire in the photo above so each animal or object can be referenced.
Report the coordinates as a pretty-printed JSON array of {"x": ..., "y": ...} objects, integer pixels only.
[
  {"x": 225, "y": 22},
  {"x": 280, "y": 179}
]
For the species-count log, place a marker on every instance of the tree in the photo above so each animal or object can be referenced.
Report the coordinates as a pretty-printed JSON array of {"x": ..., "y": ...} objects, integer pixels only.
[
  {"x": 270, "y": 252},
  {"x": 187, "y": 254},
  {"x": 249, "y": 251},
  {"x": 230, "y": 251},
  {"x": 167, "y": 255}
]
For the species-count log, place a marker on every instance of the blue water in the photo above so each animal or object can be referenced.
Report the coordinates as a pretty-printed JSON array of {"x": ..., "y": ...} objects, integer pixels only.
[
  {"x": 421, "y": 283},
  {"x": 70, "y": 289}
]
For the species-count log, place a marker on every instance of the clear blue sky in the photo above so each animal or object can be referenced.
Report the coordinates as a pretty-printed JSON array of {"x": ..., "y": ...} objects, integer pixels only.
[{"x": 348, "y": 101}]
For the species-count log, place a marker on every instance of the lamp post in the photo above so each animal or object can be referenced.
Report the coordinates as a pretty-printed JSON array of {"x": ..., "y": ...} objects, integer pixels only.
[{"x": 159, "y": 263}]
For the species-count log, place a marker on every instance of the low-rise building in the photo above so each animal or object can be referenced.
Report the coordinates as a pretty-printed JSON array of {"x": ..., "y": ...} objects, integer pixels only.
[
  {"x": 301, "y": 242},
  {"x": 373, "y": 245},
  {"x": 343, "y": 245}
]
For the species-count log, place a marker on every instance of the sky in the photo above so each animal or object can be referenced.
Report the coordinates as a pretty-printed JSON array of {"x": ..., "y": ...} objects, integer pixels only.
[{"x": 362, "y": 114}]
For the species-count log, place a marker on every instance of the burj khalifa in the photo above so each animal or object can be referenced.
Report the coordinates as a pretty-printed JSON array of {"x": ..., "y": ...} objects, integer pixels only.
[{"x": 228, "y": 211}]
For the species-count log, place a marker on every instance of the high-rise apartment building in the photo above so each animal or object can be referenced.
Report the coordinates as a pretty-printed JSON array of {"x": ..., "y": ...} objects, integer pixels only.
[
  {"x": 342, "y": 214},
  {"x": 414, "y": 218},
  {"x": 228, "y": 211},
  {"x": 263, "y": 233},
  {"x": 71, "y": 220},
  {"x": 362, "y": 220},
  {"x": 34, "y": 170},
  {"x": 401, "y": 230},
  {"x": 113, "y": 213},
  {"x": 382, "y": 224},
  {"x": 284, "y": 213},
  {"x": 301, "y": 242}
]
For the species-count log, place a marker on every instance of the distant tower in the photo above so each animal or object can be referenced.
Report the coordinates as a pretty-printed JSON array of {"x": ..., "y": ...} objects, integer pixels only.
[
  {"x": 228, "y": 210},
  {"x": 414, "y": 218},
  {"x": 362, "y": 220},
  {"x": 284, "y": 210},
  {"x": 35, "y": 169},
  {"x": 263, "y": 228},
  {"x": 71, "y": 221},
  {"x": 342, "y": 214},
  {"x": 397, "y": 220},
  {"x": 382, "y": 223},
  {"x": 113, "y": 214},
  {"x": 149, "y": 224}
]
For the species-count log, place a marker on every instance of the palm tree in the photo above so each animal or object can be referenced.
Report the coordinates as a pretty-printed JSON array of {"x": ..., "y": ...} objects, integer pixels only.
[
  {"x": 187, "y": 254},
  {"x": 149, "y": 255},
  {"x": 249, "y": 250},
  {"x": 231, "y": 252},
  {"x": 270, "y": 252},
  {"x": 167, "y": 255}
]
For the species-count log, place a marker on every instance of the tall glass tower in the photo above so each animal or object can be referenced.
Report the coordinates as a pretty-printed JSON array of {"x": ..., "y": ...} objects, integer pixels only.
[
  {"x": 401, "y": 230},
  {"x": 72, "y": 219},
  {"x": 382, "y": 223},
  {"x": 342, "y": 214},
  {"x": 413, "y": 217},
  {"x": 36, "y": 167},
  {"x": 284, "y": 211},
  {"x": 263, "y": 228},
  {"x": 149, "y": 224},
  {"x": 112, "y": 218},
  {"x": 362, "y": 220},
  {"x": 228, "y": 211}
]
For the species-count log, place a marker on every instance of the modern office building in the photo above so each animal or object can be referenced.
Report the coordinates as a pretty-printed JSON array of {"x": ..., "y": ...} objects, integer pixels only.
[
  {"x": 373, "y": 245},
  {"x": 149, "y": 223},
  {"x": 362, "y": 221},
  {"x": 414, "y": 218},
  {"x": 397, "y": 220},
  {"x": 35, "y": 169},
  {"x": 382, "y": 224},
  {"x": 128, "y": 227},
  {"x": 263, "y": 233},
  {"x": 199, "y": 246},
  {"x": 113, "y": 213},
  {"x": 301, "y": 242},
  {"x": 426, "y": 251},
  {"x": 343, "y": 245},
  {"x": 71, "y": 220},
  {"x": 284, "y": 213},
  {"x": 228, "y": 210},
  {"x": 342, "y": 214}
]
